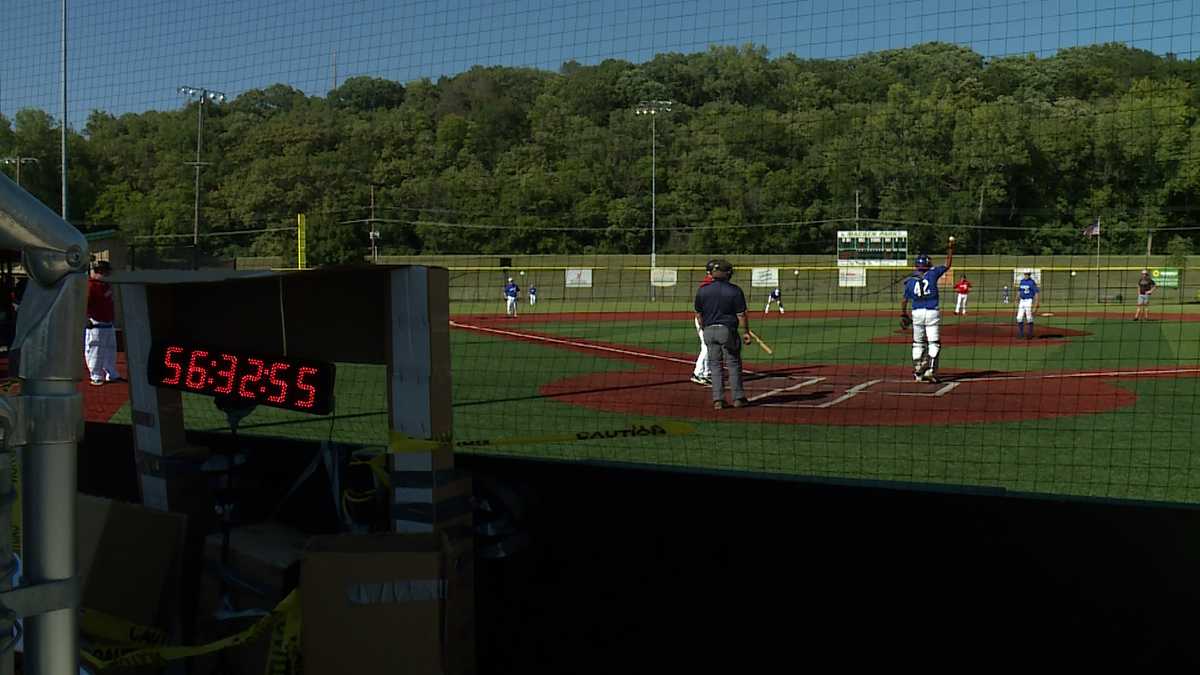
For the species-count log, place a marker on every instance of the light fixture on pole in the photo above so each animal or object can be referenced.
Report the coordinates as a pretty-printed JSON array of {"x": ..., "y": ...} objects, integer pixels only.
[
  {"x": 18, "y": 161},
  {"x": 653, "y": 108},
  {"x": 204, "y": 96}
]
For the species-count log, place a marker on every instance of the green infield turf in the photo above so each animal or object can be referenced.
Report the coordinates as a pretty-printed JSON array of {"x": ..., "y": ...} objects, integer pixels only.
[{"x": 1138, "y": 451}]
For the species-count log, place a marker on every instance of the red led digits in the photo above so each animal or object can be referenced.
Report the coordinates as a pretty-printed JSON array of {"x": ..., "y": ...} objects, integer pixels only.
[
  {"x": 251, "y": 379},
  {"x": 176, "y": 368},
  {"x": 276, "y": 369},
  {"x": 197, "y": 375},
  {"x": 229, "y": 373},
  {"x": 263, "y": 379},
  {"x": 307, "y": 402}
]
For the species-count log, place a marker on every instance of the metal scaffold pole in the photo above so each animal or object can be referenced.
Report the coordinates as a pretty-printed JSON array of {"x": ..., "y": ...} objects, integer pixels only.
[{"x": 43, "y": 425}]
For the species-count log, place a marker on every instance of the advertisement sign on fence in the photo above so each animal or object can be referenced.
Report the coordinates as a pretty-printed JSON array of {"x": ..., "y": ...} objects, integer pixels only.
[
  {"x": 852, "y": 277},
  {"x": 1165, "y": 276},
  {"x": 764, "y": 277},
  {"x": 664, "y": 276},
  {"x": 579, "y": 278}
]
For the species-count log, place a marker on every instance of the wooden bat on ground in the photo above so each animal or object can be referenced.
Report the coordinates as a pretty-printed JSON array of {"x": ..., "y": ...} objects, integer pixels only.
[{"x": 765, "y": 347}]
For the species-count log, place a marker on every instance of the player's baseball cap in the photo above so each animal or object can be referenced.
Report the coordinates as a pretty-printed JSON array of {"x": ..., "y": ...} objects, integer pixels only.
[
  {"x": 923, "y": 262},
  {"x": 1145, "y": 271},
  {"x": 722, "y": 265},
  {"x": 510, "y": 279},
  {"x": 1027, "y": 272}
]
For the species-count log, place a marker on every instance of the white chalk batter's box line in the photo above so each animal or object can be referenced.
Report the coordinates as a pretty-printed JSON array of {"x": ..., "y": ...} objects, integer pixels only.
[{"x": 849, "y": 393}]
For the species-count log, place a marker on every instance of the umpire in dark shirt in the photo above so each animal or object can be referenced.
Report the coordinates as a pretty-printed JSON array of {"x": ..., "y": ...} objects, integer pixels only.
[{"x": 721, "y": 310}]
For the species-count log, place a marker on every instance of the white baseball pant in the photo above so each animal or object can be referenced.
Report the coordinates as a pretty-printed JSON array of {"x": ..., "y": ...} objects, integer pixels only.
[{"x": 1025, "y": 310}]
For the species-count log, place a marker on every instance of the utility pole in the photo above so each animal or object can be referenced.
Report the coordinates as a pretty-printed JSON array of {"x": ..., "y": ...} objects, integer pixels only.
[
  {"x": 653, "y": 108},
  {"x": 63, "y": 126},
  {"x": 374, "y": 232},
  {"x": 204, "y": 95}
]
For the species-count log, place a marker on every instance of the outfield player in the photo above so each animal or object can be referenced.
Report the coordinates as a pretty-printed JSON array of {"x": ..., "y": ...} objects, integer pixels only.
[
  {"x": 532, "y": 295},
  {"x": 921, "y": 289},
  {"x": 1028, "y": 302},
  {"x": 702, "y": 373},
  {"x": 962, "y": 289},
  {"x": 1004, "y": 294},
  {"x": 511, "y": 291},
  {"x": 1146, "y": 287},
  {"x": 775, "y": 297}
]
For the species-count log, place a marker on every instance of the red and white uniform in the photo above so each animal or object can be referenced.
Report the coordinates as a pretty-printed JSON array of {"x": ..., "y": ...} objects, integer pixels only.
[
  {"x": 961, "y": 289},
  {"x": 99, "y": 336}
]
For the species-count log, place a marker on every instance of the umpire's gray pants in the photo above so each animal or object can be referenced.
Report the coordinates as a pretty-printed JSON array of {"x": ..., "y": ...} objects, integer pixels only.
[{"x": 723, "y": 341}]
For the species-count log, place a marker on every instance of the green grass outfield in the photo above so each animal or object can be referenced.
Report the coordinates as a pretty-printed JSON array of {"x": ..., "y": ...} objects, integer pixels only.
[{"x": 1142, "y": 452}]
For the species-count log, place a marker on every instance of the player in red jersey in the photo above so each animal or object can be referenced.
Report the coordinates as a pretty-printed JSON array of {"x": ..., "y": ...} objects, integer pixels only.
[{"x": 962, "y": 289}]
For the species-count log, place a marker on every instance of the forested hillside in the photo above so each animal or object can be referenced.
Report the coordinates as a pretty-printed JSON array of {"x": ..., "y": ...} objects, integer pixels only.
[{"x": 755, "y": 149}]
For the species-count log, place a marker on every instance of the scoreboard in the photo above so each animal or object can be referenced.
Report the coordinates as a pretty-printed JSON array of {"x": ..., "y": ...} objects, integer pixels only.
[{"x": 872, "y": 248}]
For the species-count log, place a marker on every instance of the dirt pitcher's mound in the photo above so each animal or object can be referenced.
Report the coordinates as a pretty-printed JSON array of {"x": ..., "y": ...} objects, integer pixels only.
[{"x": 967, "y": 334}]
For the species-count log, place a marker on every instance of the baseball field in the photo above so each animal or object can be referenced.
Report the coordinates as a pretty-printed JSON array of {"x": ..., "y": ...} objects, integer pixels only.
[{"x": 1095, "y": 405}]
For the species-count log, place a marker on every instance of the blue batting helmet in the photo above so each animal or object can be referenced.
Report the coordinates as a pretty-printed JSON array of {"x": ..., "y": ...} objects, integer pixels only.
[{"x": 923, "y": 262}]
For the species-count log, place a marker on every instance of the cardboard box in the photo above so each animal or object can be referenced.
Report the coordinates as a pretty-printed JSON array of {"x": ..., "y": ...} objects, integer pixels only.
[
  {"x": 259, "y": 554},
  {"x": 129, "y": 559},
  {"x": 388, "y": 603}
]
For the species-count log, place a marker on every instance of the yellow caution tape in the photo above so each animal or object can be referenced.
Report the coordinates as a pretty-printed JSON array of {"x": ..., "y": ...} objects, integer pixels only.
[
  {"x": 134, "y": 646},
  {"x": 403, "y": 443}
]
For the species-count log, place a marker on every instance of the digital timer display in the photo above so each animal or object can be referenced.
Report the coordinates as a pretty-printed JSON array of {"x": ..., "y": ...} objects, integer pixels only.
[{"x": 277, "y": 381}]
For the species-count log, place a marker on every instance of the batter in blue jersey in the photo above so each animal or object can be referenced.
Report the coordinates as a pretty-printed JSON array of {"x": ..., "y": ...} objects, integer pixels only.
[{"x": 921, "y": 289}]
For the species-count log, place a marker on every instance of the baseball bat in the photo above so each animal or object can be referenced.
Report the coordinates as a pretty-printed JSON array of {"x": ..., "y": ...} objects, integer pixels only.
[{"x": 765, "y": 347}]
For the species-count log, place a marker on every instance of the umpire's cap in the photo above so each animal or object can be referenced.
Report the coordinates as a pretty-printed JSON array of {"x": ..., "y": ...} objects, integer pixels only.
[
  {"x": 102, "y": 267},
  {"x": 723, "y": 265}
]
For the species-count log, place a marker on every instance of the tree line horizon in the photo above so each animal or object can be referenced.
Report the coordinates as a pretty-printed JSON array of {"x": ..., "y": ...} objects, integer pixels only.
[{"x": 758, "y": 155}]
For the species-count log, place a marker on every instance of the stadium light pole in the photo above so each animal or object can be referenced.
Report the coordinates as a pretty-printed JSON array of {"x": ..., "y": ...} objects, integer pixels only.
[
  {"x": 18, "y": 161},
  {"x": 653, "y": 108},
  {"x": 209, "y": 96}
]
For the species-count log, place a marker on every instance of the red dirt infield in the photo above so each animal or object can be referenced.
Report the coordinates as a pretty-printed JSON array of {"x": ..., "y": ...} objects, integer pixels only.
[
  {"x": 857, "y": 395},
  {"x": 99, "y": 403}
]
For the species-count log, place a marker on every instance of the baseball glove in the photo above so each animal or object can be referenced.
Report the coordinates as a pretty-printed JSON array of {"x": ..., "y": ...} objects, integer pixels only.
[{"x": 905, "y": 321}]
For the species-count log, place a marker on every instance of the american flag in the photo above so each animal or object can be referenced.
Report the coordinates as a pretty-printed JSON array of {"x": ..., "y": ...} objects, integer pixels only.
[{"x": 1092, "y": 230}]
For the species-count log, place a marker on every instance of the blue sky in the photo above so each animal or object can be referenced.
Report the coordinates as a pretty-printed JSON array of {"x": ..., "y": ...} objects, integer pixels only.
[{"x": 131, "y": 55}]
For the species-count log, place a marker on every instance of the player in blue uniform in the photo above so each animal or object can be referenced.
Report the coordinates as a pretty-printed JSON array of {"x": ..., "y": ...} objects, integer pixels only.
[
  {"x": 511, "y": 291},
  {"x": 532, "y": 295},
  {"x": 1028, "y": 301},
  {"x": 921, "y": 290},
  {"x": 775, "y": 297}
]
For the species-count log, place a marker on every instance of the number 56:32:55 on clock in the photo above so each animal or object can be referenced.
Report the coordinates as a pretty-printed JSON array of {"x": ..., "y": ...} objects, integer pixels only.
[{"x": 302, "y": 385}]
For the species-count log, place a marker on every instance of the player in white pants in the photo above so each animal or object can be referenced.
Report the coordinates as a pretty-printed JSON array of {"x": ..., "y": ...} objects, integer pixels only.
[
  {"x": 511, "y": 291},
  {"x": 1028, "y": 301},
  {"x": 775, "y": 297},
  {"x": 961, "y": 290},
  {"x": 702, "y": 374},
  {"x": 921, "y": 289}
]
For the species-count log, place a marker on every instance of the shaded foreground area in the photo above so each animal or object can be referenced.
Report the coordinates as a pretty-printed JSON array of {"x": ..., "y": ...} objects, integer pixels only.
[{"x": 636, "y": 570}]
